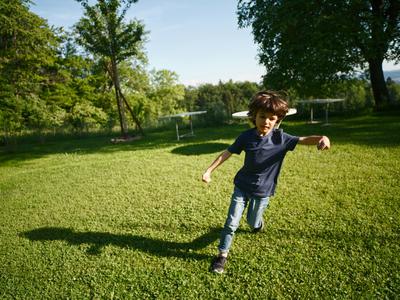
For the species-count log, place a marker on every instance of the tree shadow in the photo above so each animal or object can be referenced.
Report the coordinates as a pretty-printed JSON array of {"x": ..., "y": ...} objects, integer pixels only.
[
  {"x": 90, "y": 144},
  {"x": 98, "y": 240},
  {"x": 375, "y": 130},
  {"x": 197, "y": 149}
]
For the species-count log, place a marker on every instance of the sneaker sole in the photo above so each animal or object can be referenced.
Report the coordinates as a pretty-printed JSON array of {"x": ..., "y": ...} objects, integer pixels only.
[{"x": 218, "y": 271}]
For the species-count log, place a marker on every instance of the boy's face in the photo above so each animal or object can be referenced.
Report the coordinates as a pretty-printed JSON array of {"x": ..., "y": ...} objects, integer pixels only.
[{"x": 265, "y": 122}]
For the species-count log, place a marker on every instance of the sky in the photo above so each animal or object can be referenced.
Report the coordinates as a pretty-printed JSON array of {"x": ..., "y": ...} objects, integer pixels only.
[{"x": 198, "y": 39}]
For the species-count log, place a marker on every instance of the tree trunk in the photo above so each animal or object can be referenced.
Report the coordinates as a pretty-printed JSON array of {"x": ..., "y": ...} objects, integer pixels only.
[
  {"x": 378, "y": 83},
  {"x": 120, "y": 103},
  {"x": 377, "y": 49},
  {"x": 120, "y": 114},
  {"x": 135, "y": 119},
  {"x": 120, "y": 96}
]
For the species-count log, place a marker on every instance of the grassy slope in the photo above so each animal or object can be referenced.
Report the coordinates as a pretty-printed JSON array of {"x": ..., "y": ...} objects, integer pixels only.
[{"x": 82, "y": 218}]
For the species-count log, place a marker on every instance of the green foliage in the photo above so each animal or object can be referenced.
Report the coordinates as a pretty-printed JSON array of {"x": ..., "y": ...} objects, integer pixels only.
[
  {"x": 67, "y": 230},
  {"x": 306, "y": 44},
  {"x": 105, "y": 34},
  {"x": 221, "y": 100},
  {"x": 27, "y": 53},
  {"x": 394, "y": 90},
  {"x": 210, "y": 99},
  {"x": 10, "y": 114},
  {"x": 355, "y": 92},
  {"x": 152, "y": 94},
  {"x": 191, "y": 95},
  {"x": 84, "y": 114},
  {"x": 166, "y": 95},
  {"x": 37, "y": 115},
  {"x": 46, "y": 83},
  {"x": 357, "y": 95},
  {"x": 103, "y": 31},
  {"x": 79, "y": 89}
]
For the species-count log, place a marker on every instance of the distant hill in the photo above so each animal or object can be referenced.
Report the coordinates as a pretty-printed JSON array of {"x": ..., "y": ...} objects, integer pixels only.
[{"x": 395, "y": 75}]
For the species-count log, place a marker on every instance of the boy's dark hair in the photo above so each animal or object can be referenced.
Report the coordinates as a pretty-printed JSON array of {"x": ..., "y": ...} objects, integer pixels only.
[{"x": 268, "y": 101}]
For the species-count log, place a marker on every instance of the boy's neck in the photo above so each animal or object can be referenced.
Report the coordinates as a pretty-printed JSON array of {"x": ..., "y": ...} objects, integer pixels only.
[{"x": 262, "y": 134}]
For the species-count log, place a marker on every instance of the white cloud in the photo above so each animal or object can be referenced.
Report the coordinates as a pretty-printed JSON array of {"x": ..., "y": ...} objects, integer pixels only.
[{"x": 388, "y": 66}]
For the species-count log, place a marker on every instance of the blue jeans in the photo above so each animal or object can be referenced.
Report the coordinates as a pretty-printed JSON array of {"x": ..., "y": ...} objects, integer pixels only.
[{"x": 240, "y": 200}]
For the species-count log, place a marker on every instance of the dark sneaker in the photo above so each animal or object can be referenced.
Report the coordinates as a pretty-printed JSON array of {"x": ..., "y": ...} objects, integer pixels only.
[
  {"x": 218, "y": 264},
  {"x": 259, "y": 229}
]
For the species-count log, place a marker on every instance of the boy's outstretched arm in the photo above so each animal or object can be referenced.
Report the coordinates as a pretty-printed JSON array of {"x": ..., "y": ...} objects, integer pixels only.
[
  {"x": 321, "y": 141},
  {"x": 218, "y": 161}
]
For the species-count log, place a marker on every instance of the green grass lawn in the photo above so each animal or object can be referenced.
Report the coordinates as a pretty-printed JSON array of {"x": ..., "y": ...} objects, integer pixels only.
[{"x": 82, "y": 218}]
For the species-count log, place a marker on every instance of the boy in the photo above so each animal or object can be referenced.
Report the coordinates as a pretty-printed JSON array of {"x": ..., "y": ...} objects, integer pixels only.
[{"x": 255, "y": 182}]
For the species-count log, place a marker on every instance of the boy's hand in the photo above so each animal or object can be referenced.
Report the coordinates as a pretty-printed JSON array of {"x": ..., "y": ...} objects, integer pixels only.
[
  {"x": 206, "y": 177},
  {"x": 324, "y": 143}
]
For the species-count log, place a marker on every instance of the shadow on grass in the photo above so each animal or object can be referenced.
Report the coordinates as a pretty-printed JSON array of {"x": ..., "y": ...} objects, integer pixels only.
[
  {"x": 197, "y": 149},
  {"x": 101, "y": 144},
  {"x": 98, "y": 240},
  {"x": 374, "y": 130}
]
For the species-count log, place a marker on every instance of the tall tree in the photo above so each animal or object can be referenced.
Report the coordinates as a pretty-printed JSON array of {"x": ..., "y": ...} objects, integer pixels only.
[
  {"x": 307, "y": 43},
  {"x": 104, "y": 33},
  {"x": 27, "y": 54}
]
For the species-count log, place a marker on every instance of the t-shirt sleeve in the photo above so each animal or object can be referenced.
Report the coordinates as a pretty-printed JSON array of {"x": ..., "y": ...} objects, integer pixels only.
[
  {"x": 290, "y": 141},
  {"x": 237, "y": 146}
]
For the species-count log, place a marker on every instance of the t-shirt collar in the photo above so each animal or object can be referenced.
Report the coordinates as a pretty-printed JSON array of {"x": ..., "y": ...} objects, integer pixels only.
[{"x": 255, "y": 131}]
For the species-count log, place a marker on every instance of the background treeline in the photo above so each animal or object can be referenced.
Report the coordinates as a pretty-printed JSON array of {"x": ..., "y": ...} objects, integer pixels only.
[{"x": 49, "y": 84}]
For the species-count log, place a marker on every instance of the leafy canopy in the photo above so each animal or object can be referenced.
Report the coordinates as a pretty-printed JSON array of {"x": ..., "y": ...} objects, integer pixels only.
[
  {"x": 104, "y": 32},
  {"x": 307, "y": 43}
]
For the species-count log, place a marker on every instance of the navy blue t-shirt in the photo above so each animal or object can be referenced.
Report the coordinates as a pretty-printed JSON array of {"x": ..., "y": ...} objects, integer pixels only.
[{"x": 263, "y": 160}]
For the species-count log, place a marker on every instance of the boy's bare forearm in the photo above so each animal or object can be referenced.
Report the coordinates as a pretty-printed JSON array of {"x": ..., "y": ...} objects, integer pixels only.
[
  {"x": 321, "y": 141},
  {"x": 217, "y": 162}
]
